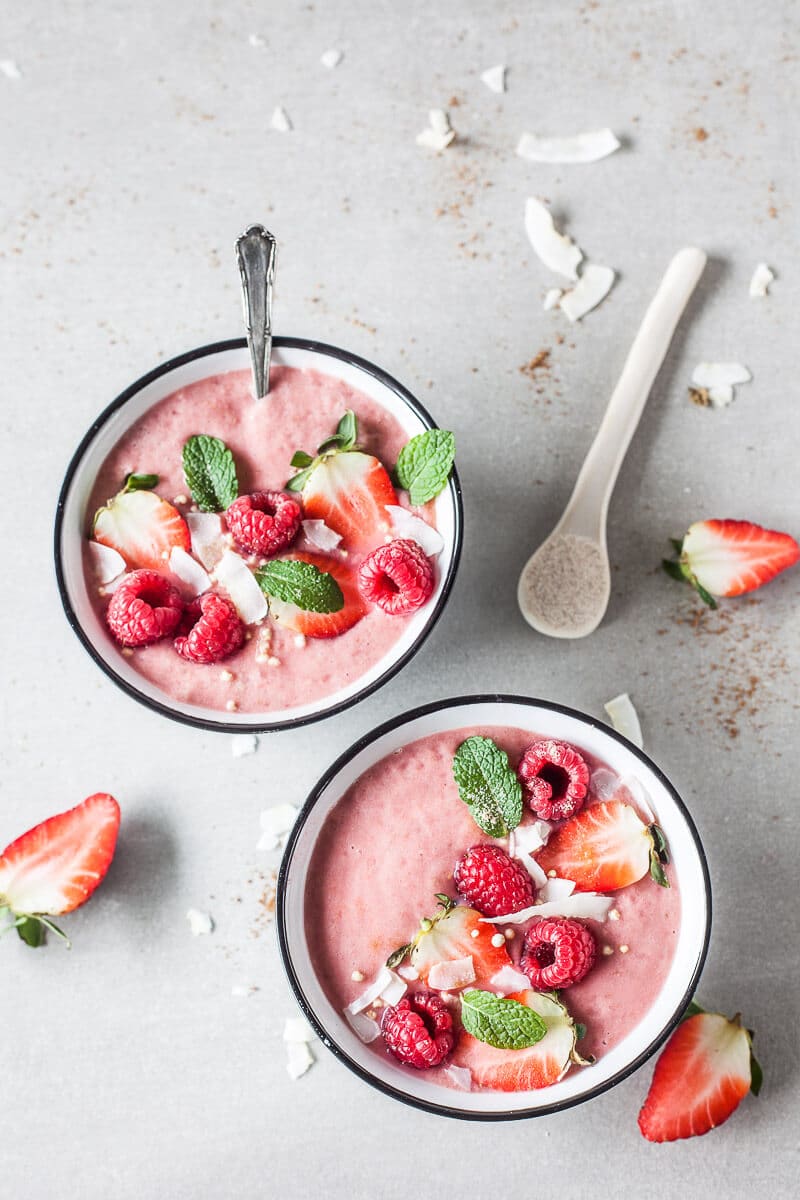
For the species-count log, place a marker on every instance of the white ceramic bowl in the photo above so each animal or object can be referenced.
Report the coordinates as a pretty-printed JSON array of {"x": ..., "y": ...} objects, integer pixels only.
[
  {"x": 111, "y": 425},
  {"x": 554, "y": 721}
]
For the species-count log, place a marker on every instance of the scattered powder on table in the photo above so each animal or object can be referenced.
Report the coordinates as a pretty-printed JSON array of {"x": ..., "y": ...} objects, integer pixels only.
[{"x": 565, "y": 583}]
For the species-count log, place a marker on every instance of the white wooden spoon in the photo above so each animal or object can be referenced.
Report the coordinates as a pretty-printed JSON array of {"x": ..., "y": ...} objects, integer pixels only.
[{"x": 565, "y": 585}]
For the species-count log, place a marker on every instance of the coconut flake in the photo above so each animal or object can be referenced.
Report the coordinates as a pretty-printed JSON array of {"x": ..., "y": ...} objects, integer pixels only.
[
  {"x": 556, "y": 250},
  {"x": 624, "y": 718},
  {"x": 593, "y": 286},
  {"x": 439, "y": 133},
  {"x": 255, "y": 39},
  {"x": 718, "y": 379},
  {"x": 299, "y": 1059},
  {"x": 604, "y": 784},
  {"x": 387, "y": 985},
  {"x": 530, "y": 838},
  {"x": 555, "y": 889},
  {"x": 552, "y": 299},
  {"x": 461, "y": 1077},
  {"x": 406, "y": 525},
  {"x": 495, "y": 78},
  {"x": 107, "y": 563},
  {"x": 509, "y": 979},
  {"x": 243, "y": 743},
  {"x": 240, "y": 584},
  {"x": 275, "y": 824},
  {"x": 363, "y": 1027},
  {"x": 588, "y": 905},
  {"x": 199, "y": 922},
  {"x": 408, "y": 972},
  {"x": 281, "y": 120},
  {"x": 395, "y": 989},
  {"x": 580, "y": 148},
  {"x": 244, "y": 989},
  {"x": 208, "y": 538},
  {"x": 762, "y": 278},
  {"x": 10, "y": 69},
  {"x": 640, "y": 797},
  {"x": 331, "y": 58},
  {"x": 297, "y": 1029},
  {"x": 452, "y": 975},
  {"x": 318, "y": 533},
  {"x": 189, "y": 571}
]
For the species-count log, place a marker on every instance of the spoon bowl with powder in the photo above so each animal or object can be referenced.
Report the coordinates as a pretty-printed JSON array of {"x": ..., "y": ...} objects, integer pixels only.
[{"x": 565, "y": 585}]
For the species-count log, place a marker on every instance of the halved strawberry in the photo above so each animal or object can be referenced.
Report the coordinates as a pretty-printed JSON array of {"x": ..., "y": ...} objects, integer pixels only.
[
  {"x": 456, "y": 933},
  {"x": 605, "y": 847},
  {"x": 349, "y": 491},
  {"x": 55, "y": 867},
  {"x": 522, "y": 1070},
  {"x": 703, "y": 1073},
  {"x": 728, "y": 558},
  {"x": 143, "y": 528},
  {"x": 316, "y": 624}
]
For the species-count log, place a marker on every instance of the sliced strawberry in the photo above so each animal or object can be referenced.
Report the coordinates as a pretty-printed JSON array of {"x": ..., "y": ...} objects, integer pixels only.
[
  {"x": 451, "y": 937},
  {"x": 322, "y": 625},
  {"x": 703, "y": 1073},
  {"x": 349, "y": 491},
  {"x": 522, "y": 1070},
  {"x": 727, "y": 558},
  {"x": 55, "y": 867},
  {"x": 604, "y": 847},
  {"x": 143, "y": 528}
]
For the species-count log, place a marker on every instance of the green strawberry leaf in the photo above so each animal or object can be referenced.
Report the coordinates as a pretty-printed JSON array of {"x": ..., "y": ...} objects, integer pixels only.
[
  {"x": 140, "y": 483},
  {"x": 692, "y": 1009},
  {"x": 31, "y": 930},
  {"x": 301, "y": 459},
  {"x": 210, "y": 473},
  {"x": 673, "y": 569},
  {"x": 488, "y": 785},
  {"x": 424, "y": 465},
  {"x": 445, "y": 902},
  {"x": 298, "y": 481},
  {"x": 677, "y": 545},
  {"x": 756, "y": 1074},
  {"x": 580, "y": 1031},
  {"x": 659, "y": 842},
  {"x": 705, "y": 596},
  {"x": 398, "y": 955},
  {"x": 505, "y": 1024},
  {"x": 302, "y": 584},
  {"x": 345, "y": 437},
  {"x": 657, "y": 872}
]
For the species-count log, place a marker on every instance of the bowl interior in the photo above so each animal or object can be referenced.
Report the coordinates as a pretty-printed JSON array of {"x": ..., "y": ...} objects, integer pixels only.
[
  {"x": 113, "y": 424},
  {"x": 564, "y": 724}
]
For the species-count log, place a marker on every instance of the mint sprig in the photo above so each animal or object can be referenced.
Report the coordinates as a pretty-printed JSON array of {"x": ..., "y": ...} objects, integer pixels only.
[
  {"x": 424, "y": 465},
  {"x": 301, "y": 584},
  {"x": 505, "y": 1024},
  {"x": 487, "y": 783},
  {"x": 338, "y": 443},
  {"x": 210, "y": 473}
]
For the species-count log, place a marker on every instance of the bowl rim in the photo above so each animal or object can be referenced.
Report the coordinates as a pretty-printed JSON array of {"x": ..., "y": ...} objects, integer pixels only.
[
  {"x": 219, "y": 725},
  {"x": 283, "y": 941}
]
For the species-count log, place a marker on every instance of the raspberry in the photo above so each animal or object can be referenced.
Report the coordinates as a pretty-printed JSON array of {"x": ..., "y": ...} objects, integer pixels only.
[
  {"x": 555, "y": 779},
  {"x": 557, "y": 953},
  {"x": 264, "y": 522},
  {"x": 419, "y": 1030},
  {"x": 492, "y": 882},
  {"x": 398, "y": 577},
  {"x": 210, "y": 631},
  {"x": 144, "y": 608}
]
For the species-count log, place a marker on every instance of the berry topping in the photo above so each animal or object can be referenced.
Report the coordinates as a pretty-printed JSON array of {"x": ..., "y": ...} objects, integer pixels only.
[
  {"x": 555, "y": 779},
  {"x": 454, "y": 934},
  {"x": 605, "y": 847},
  {"x": 144, "y": 608},
  {"x": 557, "y": 953},
  {"x": 535, "y": 1066},
  {"x": 492, "y": 882},
  {"x": 264, "y": 522},
  {"x": 141, "y": 527},
  {"x": 419, "y": 1030},
  {"x": 398, "y": 577},
  {"x": 210, "y": 631},
  {"x": 322, "y": 624},
  {"x": 727, "y": 558}
]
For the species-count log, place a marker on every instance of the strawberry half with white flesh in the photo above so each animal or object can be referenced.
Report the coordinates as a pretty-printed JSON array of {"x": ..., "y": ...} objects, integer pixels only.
[
  {"x": 704, "y": 1072},
  {"x": 317, "y": 624},
  {"x": 605, "y": 847},
  {"x": 455, "y": 933},
  {"x": 524, "y": 1070},
  {"x": 346, "y": 488},
  {"x": 54, "y": 867},
  {"x": 729, "y": 558},
  {"x": 143, "y": 528}
]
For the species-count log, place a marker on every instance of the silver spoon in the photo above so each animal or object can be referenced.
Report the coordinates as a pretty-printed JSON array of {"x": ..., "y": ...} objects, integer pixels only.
[
  {"x": 255, "y": 253},
  {"x": 565, "y": 585}
]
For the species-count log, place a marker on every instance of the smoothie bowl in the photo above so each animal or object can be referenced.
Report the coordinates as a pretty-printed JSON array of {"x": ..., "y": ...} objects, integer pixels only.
[
  {"x": 252, "y": 565},
  {"x": 493, "y": 907}
]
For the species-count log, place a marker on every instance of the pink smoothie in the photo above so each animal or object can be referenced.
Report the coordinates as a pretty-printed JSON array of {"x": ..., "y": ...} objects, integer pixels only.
[
  {"x": 391, "y": 844},
  {"x": 302, "y": 409}
]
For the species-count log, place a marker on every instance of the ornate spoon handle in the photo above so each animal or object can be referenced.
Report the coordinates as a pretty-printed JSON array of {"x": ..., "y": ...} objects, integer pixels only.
[{"x": 255, "y": 253}]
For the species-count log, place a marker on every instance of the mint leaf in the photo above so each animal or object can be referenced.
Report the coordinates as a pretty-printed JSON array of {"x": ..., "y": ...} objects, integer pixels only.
[
  {"x": 506, "y": 1024},
  {"x": 210, "y": 473},
  {"x": 424, "y": 464},
  {"x": 488, "y": 785},
  {"x": 140, "y": 483},
  {"x": 302, "y": 584}
]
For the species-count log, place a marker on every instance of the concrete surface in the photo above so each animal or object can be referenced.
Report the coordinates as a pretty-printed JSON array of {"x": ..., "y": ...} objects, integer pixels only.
[{"x": 136, "y": 145}]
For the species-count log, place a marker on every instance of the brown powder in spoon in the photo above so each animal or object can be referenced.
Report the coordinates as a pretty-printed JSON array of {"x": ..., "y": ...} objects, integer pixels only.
[{"x": 565, "y": 583}]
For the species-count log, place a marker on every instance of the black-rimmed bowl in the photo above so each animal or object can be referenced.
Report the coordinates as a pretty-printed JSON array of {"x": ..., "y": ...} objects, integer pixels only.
[
  {"x": 551, "y": 720},
  {"x": 111, "y": 425}
]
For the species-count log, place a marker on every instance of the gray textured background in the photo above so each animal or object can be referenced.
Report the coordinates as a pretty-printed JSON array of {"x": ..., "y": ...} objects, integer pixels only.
[{"x": 136, "y": 145}]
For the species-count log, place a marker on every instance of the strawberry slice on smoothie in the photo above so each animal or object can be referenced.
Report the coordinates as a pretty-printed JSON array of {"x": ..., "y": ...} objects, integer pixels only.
[
  {"x": 456, "y": 935},
  {"x": 142, "y": 527},
  {"x": 605, "y": 847},
  {"x": 537, "y": 1066},
  {"x": 319, "y": 624}
]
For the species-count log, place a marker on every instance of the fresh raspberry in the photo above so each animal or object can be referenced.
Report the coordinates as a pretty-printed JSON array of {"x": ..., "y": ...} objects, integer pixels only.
[
  {"x": 419, "y": 1030},
  {"x": 144, "y": 608},
  {"x": 398, "y": 577},
  {"x": 264, "y": 522},
  {"x": 557, "y": 953},
  {"x": 555, "y": 779},
  {"x": 210, "y": 631},
  {"x": 492, "y": 882}
]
